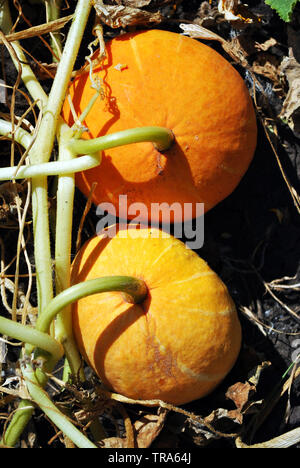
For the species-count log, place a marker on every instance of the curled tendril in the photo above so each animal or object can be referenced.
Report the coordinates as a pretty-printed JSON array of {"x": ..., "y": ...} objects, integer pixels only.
[{"x": 96, "y": 83}]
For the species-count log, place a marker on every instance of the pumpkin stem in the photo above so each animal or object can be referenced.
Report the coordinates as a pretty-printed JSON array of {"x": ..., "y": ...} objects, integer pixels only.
[
  {"x": 135, "y": 290},
  {"x": 161, "y": 137}
]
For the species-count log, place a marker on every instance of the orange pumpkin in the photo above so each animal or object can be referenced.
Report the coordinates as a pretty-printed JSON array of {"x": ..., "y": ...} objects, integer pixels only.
[
  {"x": 178, "y": 344},
  {"x": 159, "y": 78}
]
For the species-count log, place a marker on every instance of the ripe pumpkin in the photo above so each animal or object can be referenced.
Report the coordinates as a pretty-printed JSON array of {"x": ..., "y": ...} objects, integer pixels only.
[
  {"x": 159, "y": 78},
  {"x": 178, "y": 344}
]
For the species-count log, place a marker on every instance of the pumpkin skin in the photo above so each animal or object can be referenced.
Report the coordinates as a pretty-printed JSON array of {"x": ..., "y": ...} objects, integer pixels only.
[
  {"x": 177, "y": 345},
  {"x": 159, "y": 78}
]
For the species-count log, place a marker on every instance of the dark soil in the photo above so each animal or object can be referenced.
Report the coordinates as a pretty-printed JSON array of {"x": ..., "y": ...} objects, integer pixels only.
[{"x": 251, "y": 239}]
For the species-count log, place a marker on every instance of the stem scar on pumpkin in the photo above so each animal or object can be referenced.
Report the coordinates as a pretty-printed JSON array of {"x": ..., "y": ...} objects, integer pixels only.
[{"x": 136, "y": 293}]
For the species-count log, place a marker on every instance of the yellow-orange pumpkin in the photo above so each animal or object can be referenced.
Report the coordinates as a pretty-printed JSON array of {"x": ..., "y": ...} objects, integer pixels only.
[
  {"x": 179, "y": 343},
  {"x": 159, "y": 78}
]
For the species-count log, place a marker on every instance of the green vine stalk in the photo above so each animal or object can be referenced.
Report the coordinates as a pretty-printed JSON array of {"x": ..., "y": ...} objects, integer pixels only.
[
  {"x": 40, "y": 152},
  {"x": 75, "y": 154}
]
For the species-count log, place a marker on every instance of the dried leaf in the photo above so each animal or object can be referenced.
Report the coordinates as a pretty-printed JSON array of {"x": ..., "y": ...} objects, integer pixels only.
[
  {"x": 235, "y": 49},
  {"x": 266, "y": 45},
  {"x": 236, "y": 12},
  {"x": 113, "y": 442},
  {"x": 142, "y": 3},
  {"x": 148, "y": 427},
  {"x": 38, "y": 30},
  {"x": 121, "y": 16},
  {"x": 256, "y": 374},
  {"x": 198, "y": 433},
  {"x": 219, "y": 415},
  {"x": 199, "y": 32},
  {"x": 269, "y": 66},
  {"x": 134, "y": 3},
  {"x": 290, "y": 67},
  {"x": 130, "y": 443},
  {"x": 240, "y": 393},
  {"x": 232, "y": 48},
  {"x": 228, "y": 9},
  {"x": 20, "y": 392}
]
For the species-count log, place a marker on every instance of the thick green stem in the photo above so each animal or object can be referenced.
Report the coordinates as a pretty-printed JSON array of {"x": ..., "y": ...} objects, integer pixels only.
[
  {"x": 42, "y": 148},
  {"x": 20, "y": 419},
  {"x": 42, "y": 256},
  {"x": 53, "y": 413},
  {"x": 65, "y": 165},
  {"x": 161, "y": 137},
  {"x": 63, "y": 245},
  {"x": 33, "y": 336},
  {"x": 134, "y": 290},
  {"x": 51, "y": 168},
  {"x": 21, "y": 136},
  {"x": 39, "y": 188},
  {"x": 40, "y": 153}
]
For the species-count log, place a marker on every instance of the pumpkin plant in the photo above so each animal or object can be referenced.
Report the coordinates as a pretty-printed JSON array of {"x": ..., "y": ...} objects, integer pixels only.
[{"x": 206, "y": 162}]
